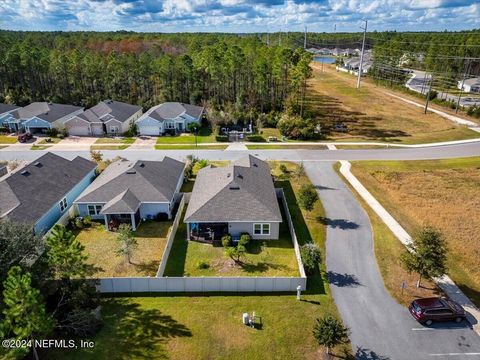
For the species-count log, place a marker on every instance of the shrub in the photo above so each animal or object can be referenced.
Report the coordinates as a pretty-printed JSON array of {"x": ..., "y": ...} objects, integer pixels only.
[
  {"x": 203, "y": 265},
  {"x": 330, "y": 332},
  {"x": 227, "y": 240},
  {"x": 295, "y": 127},
  {"x": 61, "y": 136},
  {"x": 307, "y": 197},
  {"x": 221, "y": 138},
  {"x": 311, "y": 256},
  {"x": 79, "y": 223},
  {"x": 87, "y": 221},
  {"x": 53, "y": 132},
  {"x": 283, "y": 168},
  {"x": 255, "y": 138},
  {"x": 132, "y": 131},
  {"x": 244, "y": 239}
]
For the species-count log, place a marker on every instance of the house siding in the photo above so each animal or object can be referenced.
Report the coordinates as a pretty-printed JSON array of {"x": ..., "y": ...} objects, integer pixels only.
[
  {"x": 52, "y": 216},
  {"x": 36, "y": 123},
  {"x": 237, "y": 228},
  {"x": 114, "y": 123},
  {"x": 60, "y": 123},
  {"x": 148, "y": 122},
  {"x": 83, "y": 211},
  {"x": 153, "y": 209}
]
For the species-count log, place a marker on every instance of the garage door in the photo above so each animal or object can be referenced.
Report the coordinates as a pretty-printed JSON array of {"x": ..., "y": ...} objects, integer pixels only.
[
  {"x": 97, "y": 129},
  {"x": 148, "y": 130},
  {"x": 78, "y": 130}
]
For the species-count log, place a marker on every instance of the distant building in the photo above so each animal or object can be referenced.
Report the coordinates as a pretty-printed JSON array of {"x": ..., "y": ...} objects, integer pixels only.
[{"x": 470, "y": 85}]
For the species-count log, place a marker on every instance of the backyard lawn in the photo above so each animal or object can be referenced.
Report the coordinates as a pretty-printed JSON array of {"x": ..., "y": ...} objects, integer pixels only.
[
  {"x": 205, "y": 135},
  {"x": 209, "y": 327},
  {"x": 108, "y": 140},
  {"x": 441, "y": 193},
  {"x": 334, "y": 98},
  {"x": 263, "y": 258},
  {"x": 4, "y": 139},
  {"x": 101, "y": 245}
]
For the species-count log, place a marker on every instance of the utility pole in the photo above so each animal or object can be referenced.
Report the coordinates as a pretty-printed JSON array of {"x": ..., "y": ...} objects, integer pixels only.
[
  {"x": 428, "y": 94},
  {"x": 465, "y": 74},
  {"x": 305, "y": 39},
  {"x": 360, "y": 67}
]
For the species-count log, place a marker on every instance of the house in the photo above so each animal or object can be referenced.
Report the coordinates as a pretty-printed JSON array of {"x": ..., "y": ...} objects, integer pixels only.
[
  {"x": 109, "y": 116},
  {"x": 128, "y": 192},
  {"x": 41, "y": 192},
  {"x": 236, "y": 199},
  {"x": 470, "y": 85},
  {"x": 6, "y": 113},
  {"x": 168, "y": 117},
  {"x": 41, "y": 116}
]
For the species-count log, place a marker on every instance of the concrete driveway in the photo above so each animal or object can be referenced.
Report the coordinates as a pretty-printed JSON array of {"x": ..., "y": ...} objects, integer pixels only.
[{"x": 380, "y": 327}]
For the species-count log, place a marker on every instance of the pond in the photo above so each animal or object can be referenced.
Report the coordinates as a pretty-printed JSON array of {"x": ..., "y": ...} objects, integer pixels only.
[{"x": 325, "y": 59}]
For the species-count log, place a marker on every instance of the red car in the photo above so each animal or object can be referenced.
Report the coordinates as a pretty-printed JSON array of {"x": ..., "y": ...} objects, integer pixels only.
[
  {"x": 24, "y": 137},
  {"x": 428, "y": 310}
]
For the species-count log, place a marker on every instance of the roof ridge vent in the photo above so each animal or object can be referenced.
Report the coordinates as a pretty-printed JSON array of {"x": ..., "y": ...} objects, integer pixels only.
[
  {"x": 142, "y": 165},
  {"x": 234, "y": 187},
  {"x": 131, "y": 172},
  {"x": 37, "y": 164},
  {"x": 240, "y": 176},
  {"x": 25, "y": 172}
]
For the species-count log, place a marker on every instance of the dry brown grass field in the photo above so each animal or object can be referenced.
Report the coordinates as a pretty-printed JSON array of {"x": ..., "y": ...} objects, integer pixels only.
[
  {"x": 372, "y": 115},
  {"x": 441, "y": 193}
]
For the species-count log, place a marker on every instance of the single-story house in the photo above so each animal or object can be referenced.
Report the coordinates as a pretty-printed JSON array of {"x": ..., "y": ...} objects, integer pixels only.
[
  {"x": 41, "y": 116},
  {"x": 41, "y": 192},
  {"x": 470, "y": 85},
  {"x": 128, "y": 192},
  {"x": 6, "y": 113},
  {"x": 107, "y": 117},
  {"x": 236, "y": 199},
  {"x": 168, "y": 117}
]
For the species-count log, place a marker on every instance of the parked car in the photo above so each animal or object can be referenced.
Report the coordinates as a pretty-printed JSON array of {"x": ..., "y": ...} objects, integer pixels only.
[
  {"x": 24, "y": 137},
  {"x": 428, "y": 310}
]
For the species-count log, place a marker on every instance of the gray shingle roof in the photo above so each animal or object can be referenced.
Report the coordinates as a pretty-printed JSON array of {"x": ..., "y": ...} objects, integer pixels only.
[
  {"x": 242, "y": 191},
  {"x": 147, "y": 181},
  {"x": 172, "y": 110},
  {"x": 116, "y": 109},
  {"x": 4, "y": 108},
  {"x": 50, "y": 112},
  {"x": 124, "y": 203},
  {"x": 27, "y": 194}
]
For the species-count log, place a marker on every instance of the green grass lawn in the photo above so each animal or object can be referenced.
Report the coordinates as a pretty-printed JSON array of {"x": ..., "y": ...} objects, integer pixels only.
[
  {"x": 109, "y": 147},
  {"x": 101, "y": 245},
  {"x": 264, "y": 258},
  {"x": 209, "y": 326},
  {"x": 40, "y": 147},
  {"x": 53, "y": 140},
  {"x": 107, "y": 140},
  {"x": 205, "y": 135},
  {"x": 286, "y": 147},
  {"x": 440, "y": 193},
  {"x": 4, "y": 139},
  {"x": 190, "y": 147}
]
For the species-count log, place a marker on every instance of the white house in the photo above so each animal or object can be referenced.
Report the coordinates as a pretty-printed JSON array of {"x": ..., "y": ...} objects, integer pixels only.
[
  {"x": 109, "y": 116},
  {"x": 41, "y": 116},
  {"x": 168, "y": 117},
  {"x": 470, "y": 85}
]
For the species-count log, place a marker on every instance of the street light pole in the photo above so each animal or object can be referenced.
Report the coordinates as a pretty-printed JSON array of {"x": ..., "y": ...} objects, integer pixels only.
[{"x": 360, "y": 68}]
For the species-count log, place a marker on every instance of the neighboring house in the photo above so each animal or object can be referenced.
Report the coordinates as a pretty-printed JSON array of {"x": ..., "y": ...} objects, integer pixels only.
[
  {"x": 168, "y": 117},
  {"x": 470, "y": 85},
  {"x": 127, "y": 192},
  {"x": 6, "y": 114},
  {"x": 41, "y": 192},
  {"x": 109, "y": 116},
  {"x": 40, "y": 116},
  {"x": 236, "y": 199}
]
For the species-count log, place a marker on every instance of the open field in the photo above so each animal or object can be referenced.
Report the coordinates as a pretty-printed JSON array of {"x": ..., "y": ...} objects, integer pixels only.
[
  {"x": 204, "y": 136},
  {"x": 283, "y": 146},
  {"x": 190, "y": 147},
  {"x": 263, "y": 258},
  {"x": 387, "y": 249},
  {"x": 440, "y": 193},
  {"x": 209, "y": 327},
  {"x": 101, "y": 245},
  {"x": 4, "y": 139},
  {"x": 109, "y": 147},
  {"x": 107, "y": 140},
  {"x": 372, "y": 115}
]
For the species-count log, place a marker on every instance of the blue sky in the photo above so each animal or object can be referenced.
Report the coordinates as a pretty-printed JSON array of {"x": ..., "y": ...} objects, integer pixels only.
[{"x": 238, "y": 15}]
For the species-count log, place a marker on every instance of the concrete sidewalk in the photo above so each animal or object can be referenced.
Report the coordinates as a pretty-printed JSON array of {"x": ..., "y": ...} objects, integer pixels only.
[{"x": 445, "y": 283}]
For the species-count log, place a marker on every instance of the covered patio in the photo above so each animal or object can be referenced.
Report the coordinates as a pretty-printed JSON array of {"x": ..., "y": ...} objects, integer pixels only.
[
  {"x": 206, "y": 232},
  {"x": 113, "y": 221}
]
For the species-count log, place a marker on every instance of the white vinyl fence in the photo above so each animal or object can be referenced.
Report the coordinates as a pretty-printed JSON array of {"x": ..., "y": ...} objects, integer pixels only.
[{"x": 207, "y": 284}]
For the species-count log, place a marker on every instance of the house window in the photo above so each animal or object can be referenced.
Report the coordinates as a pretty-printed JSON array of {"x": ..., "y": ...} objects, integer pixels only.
[
  {"x": 261, "y": 229},
  {"x": 94, "y": 209},
  {"x": 114, "y": 129},
  {"x": 169, "y": 125},
  {"x": 63, "y": 204}
]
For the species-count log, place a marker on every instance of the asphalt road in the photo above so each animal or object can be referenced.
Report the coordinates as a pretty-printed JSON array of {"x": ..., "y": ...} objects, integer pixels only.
[
  {"x": 434, "y": 152},
  {"x": 380, "y": 328}
]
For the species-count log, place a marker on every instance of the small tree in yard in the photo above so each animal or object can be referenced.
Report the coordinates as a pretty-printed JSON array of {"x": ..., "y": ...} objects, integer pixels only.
[
  {"x": 330, "y": 332},
  {"x": 307, "y": 197},
  {"x": 96, "y": 156},
  {"x": 25, "y": 317},
  {"x": 427, "y": 255},
  {"x": 227, "y": 240},
  {"x": 236, "y": 252},
  {"x": 311, "y": 256},
  {"x": 128, "y": 244}
]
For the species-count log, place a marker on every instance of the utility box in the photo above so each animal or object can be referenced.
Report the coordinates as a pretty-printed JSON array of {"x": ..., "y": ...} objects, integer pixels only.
[{"x": 245, "y": 318}]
